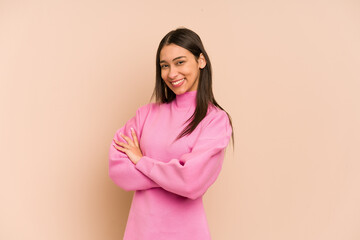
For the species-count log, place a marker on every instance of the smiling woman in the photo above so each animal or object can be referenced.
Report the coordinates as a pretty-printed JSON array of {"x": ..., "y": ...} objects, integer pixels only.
[{"x": 169, "y": 166}]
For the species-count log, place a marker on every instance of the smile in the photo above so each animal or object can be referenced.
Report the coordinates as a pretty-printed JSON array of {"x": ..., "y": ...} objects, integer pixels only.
[{"x": 178, "y": 83}]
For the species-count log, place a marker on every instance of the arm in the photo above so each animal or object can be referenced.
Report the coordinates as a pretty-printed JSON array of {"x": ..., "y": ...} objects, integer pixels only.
[
  {"x": 121, "y": 170},
  {"x": 193, "y": 173}
]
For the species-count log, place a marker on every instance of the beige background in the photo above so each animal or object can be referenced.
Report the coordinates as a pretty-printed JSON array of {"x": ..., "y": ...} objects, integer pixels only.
[{"x": 72, "y": 72}]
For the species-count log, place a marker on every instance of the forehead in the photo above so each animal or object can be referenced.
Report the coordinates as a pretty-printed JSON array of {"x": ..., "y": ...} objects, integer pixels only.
[{"x": 171, "y": 51}]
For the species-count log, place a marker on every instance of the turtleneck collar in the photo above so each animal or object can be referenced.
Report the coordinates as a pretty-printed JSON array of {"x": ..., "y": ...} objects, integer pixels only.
[{"x": 186, "y": 99}]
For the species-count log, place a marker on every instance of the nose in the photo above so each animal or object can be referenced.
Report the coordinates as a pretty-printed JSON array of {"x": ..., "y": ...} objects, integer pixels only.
[{"x": 172, "y": 73}]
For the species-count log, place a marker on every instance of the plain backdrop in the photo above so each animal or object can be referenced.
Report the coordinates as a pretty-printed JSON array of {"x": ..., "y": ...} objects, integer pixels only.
[{"x": 73, "y": 71}]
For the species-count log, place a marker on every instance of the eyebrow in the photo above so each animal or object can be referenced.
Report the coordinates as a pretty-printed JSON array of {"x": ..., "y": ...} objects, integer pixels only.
[{"x": 162, "y": 61}]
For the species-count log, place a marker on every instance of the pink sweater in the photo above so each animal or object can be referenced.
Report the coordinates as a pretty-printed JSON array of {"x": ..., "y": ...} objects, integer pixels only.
[{"x": 171, "y": 178}]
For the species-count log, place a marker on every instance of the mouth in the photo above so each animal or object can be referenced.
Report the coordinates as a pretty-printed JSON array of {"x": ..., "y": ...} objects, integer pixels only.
[{"x": 177, "y": 82}]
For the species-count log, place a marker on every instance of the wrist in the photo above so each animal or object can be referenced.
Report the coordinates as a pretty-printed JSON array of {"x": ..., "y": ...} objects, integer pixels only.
[{"x": 137, "y": 159}]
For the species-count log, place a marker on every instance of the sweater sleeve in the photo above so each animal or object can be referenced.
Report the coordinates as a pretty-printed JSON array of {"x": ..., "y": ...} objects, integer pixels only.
[
  {"x": 121, "y": 170},
  {"x": 194, "y": 172}
]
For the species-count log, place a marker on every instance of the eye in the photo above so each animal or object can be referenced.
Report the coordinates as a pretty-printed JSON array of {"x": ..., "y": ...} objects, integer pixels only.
[
  {"x": 180, "y": 62},
  {"x": 164, "y": 66}
]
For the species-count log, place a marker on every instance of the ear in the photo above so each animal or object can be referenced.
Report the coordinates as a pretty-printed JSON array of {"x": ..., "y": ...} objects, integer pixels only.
[{"x": 201, "y": 61}]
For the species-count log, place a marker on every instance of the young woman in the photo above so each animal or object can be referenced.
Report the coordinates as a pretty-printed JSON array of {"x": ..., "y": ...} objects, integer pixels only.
[{"x": 171, "y": 151}]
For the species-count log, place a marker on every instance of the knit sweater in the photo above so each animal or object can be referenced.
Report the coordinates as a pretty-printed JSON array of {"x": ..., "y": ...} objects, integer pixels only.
[{"x": 172, "y": 176}]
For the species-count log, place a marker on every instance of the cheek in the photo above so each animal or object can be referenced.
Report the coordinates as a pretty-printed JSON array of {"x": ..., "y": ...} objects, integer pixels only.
[
  {"x": 163, "y": 75},
  {"x": 191, "y": 70}
]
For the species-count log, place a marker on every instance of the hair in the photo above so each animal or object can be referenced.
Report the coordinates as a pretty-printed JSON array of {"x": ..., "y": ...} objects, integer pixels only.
[{"x": 189, "y": 40}]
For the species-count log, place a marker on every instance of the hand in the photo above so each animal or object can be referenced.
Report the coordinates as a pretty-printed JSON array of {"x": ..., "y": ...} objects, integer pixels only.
[{"x": 131, "y": 148}]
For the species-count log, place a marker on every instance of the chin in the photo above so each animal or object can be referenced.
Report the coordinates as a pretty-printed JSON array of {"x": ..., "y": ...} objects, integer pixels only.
[{"x": 179, "y": 91}]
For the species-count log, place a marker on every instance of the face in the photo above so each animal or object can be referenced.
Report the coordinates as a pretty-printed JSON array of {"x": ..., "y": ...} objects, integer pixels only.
[{"x": 180, "y": 69}]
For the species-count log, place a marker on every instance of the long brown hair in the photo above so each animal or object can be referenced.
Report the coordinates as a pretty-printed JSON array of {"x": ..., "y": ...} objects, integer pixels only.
[{"x": 189, "y": 40}]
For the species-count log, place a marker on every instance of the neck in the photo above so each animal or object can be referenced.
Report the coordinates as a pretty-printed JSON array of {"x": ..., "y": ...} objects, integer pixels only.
[{"x": 186, "y": 99}]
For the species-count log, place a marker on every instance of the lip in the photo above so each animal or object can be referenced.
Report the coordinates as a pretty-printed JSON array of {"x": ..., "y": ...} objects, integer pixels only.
[
  {"x": 176, "y": 80},
  {"x": 179, "y": 84}
]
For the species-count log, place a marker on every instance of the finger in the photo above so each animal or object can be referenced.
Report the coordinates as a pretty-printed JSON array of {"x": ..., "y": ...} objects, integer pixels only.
[
  {"x": 120, "y": 143},
  {"x": 133, "y": 133},
  {"x": 127, "y": 139},
  {"x": 120, "y": 148},
  {"x": 116, "y": 141}
]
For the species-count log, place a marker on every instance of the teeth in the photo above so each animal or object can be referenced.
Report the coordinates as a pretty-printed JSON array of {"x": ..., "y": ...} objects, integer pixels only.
[{"x": 177, "y": 82}]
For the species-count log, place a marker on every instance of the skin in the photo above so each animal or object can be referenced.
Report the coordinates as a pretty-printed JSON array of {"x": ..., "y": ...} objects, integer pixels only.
[
  {"x": 176, "y": 63},
  {"x": 131, "y": 148}
]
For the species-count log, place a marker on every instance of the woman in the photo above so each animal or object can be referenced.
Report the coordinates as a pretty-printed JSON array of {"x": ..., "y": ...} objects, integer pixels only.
[{"x": 171, "y": 151}]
